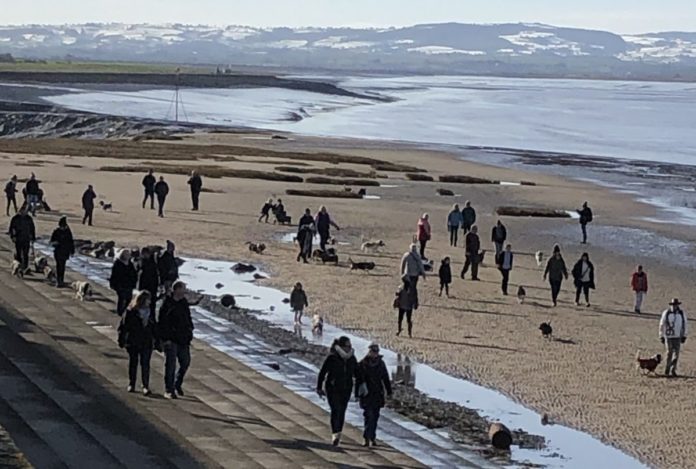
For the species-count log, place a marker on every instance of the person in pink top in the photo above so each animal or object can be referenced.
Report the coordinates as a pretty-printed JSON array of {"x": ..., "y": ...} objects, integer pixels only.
[{"x": 423, "y": 233}]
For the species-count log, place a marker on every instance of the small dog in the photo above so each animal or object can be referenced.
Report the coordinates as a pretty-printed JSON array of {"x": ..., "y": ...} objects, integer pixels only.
[
  {"x": 647, "y": 365},
  {"x": 325, "y": 256},
  {"x": 362, "y": 192},
  {"x": 16, "y": 269},
  {"x": 521, "y": 294},
  {"x": 317, "y": 324},
  {"x": 40, "y": 263},
  {"x": 49, "y": 274},
  {"x": 539, "y": 256},
  {"x": 366, "y": 266},
  {"x": 106, "y": 206},
  {"x": 546, "y": 330},
  {"x": 372, "y": 246},
  {"x": 429, "y": 265},
  {"x": 257, "y": 248},
  {"x": 82, "y": 290}
]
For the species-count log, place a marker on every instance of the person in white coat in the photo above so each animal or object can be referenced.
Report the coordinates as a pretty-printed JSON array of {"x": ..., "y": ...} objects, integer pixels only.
[{"x": 673, "y": 334}]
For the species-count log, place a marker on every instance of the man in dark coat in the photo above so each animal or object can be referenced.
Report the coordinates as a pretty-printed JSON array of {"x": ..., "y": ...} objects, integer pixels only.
[
  {"x": 88, "y": 204},
  {"x": 305, "y": 235},
  {"x": 504, "y": 261},
  {"x": 585, "y": 217},
  {"x": 161, "y": 189},
  {"x": 323, "y": 223},
  {"x": 468, "y": 217},
  {"x": 23, "y": 234},
  {"x": 10, "y": 193},
  {"x": 168, "y": 268},
  {"x": 498, "y": 236},
  {"x": 372, "y": 381},
  {"x": 196, "y": 184},
  {"x": 33, "y": 193},
  {"x": 63, "y": 248},
  {"x": 123, "y": 280},
  {"x": 472, "y": 247},
  {"x": 149, "y": 280},
  {"x": 175, "y": 330},
  {"x": 149, "y": 182}
]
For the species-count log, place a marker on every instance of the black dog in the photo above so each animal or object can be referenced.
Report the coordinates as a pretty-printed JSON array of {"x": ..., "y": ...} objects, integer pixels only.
[
  {"x": 366, "y": 266},
  {"x": 546, "y": 329},
  {"x": 257, "y": 248},
  {"x": 325, "y": 256}
]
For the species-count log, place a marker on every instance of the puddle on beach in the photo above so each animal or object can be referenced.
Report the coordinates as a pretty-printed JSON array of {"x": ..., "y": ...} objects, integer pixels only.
[{"x": 566, "y": 448}]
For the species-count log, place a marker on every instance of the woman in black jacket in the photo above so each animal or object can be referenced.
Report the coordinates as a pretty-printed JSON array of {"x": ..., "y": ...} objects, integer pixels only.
[
  {"x": 63, "y": 247},
  {"x": 305, "y": 235},
  {"x": 583, "y": 276},
  {"x": 137, "y": 334},
  {"x": 123, "y": 279},
  {"x": 336, "y": 383},
  {"x": 149, "y": 276},
  {"x": 372, "y": 381}
]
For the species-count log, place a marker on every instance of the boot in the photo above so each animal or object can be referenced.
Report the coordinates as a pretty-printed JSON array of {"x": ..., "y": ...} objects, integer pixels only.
[
  {"x": 410, "y": 329},
  {"x": 336, "y": 439}
]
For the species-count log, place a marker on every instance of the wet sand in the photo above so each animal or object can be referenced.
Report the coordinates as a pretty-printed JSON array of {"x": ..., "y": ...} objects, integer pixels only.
[{"x": 587, "y": 379}]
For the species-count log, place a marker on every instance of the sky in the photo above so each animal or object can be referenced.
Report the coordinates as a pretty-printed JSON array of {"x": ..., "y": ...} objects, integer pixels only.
[{"x": 621, "y": 16}]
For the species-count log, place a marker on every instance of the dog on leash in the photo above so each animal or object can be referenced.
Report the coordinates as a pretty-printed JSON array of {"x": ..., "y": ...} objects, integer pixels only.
[
  {"x": 364, "y": 266},
  {"x": 40, "y": 263},
  {"x": 539, "y": 256},
  {"x": 329, "y": 255},
  {"x": 317, "y": 324},
  {"x": 257, "y": 248},
  {"x": 106, "y": 206},
  {"x": 647, "y": 365},
  {"x": 49, "y": 274},
  {"x": 16, "y": 268},
  {"x": 372, "y": 246},
  {"x": 82, "y": 290}
]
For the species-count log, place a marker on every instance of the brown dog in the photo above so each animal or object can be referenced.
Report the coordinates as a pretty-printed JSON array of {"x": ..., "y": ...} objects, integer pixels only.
[{"x": 648, "y": 365}]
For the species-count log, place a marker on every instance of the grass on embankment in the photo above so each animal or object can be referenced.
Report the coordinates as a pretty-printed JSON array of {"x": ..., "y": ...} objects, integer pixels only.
[
  {"x": 324, "y": 194},
  {"x": 531, "y": 212},
  {"x": 213, "y": 172}
]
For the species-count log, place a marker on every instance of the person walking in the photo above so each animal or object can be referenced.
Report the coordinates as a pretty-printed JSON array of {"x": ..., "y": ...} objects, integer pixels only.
[
  {"x": 405, "y": 302},
  {"x": 63, "y": 248},
  {"x": 472, "y": 248},
  {"x": 137, "y": 336},
  {"x": 445, "y": 275},
  {"x": 323, "y": 223},
  {"x": 149, "y": 277},
  {"x": 196, "y": 184},
  {"x": 88, "y": 204},
  {"x": 468, "y": 217},
  {"x": 11, "y": 194},
  {"x": 23, "y": 234},
  {"x": 585, "y": 217},
  {"x": 149, "y": 182},
  {"x": 32, "y": 192},
  {"x": 266, "y": 210},
  {"x": 123, "y": 280},
  {"x": 162, "y": 190},
  {"x": 556, "y": 271},
  {"x": 673, "y": 334},
  {"x": 175, "y": 331},
  {"x": 583, "y": 277},
  {"x": 168, "y": 267},
  {"x": 298, "y": 302},
  {"x": 371, "y": 383},
  {"x": 423, "y": 233},
  {"x": 498, "y": 237},
  {"x": 454, "y": 222},
  {"x": 639, "y": 284},
  {"x": 305, "y": 235},
  {"x": 412, "y": 266},
  {"x": 335, "y": 381},
  {"x": 504, "y": 262}
]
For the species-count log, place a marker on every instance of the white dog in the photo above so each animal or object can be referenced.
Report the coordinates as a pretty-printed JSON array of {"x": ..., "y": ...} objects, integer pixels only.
[
  {"x": 82, "y": 290},
  {"x": 16, "y": 269},
  {"x": 372, "y": 246},
  {"x": 317, "y": 324},
  {"x": 40, "y": 263},
  {"x": 539, "y": 256}
]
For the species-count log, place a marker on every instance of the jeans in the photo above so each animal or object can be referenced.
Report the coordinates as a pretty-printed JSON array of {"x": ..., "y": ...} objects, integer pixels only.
[
  {"x": 466, "y": 227},
  {"x": 195, "y": 195},
  {"x": 33, "y": 201},
  {"x": 640, "y": 295},
  {"x": 454, "y": 235},
  {"x": 174, "y": 352},
  {"x": 583, "y": 227},
  {"x": 141, "y": 356},
  {"x": 22, "y": 253},
  {"x": 473, "y": 261},
  {"x": 338, "y": 402},
  {"x": 423, "y": 243},
  {"x": 498, "y": 247},
  {"x": 124, "y": 298},
  {"x": 555, "y": 290},
  {"x": 371, "y": 414},
  {"x": 11, "y": 200},
  {"x": 160, "y": 205},
  {"x": 408, "y": 313},
  {"x": 673, "y": 348},
  {"x": 88, "y": 216},
  {"x": 444, "y": 286},
  {"x": 151, "y": 196},
  {"x": 583, "y": 287},
  {"x": 60, "y": 269},
  {"x": 506, "y": 279},
  {"x": 323, "y": 239}
]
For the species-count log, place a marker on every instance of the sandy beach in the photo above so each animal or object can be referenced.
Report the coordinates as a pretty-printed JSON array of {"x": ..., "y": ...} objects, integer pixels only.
[{"x": 587, "y": 379}]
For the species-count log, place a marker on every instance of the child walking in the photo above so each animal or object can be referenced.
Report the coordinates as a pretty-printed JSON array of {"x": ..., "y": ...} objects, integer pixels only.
[
  {"x": 445, "y": 274},
  {"x": 298, "y": 302},
  {"x": 266, "y": 210}
]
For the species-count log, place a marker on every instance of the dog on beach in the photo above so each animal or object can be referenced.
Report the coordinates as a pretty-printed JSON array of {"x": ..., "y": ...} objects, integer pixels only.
[
  {"x": 257, "y": 248},
  {"x": 647, "y": 365},
  {"x": 325, "y": 256},
  {"x": 40, "y": 263},
  {"x": 16, "y": 269},
  {"x": 539, "y": 256},
  {"x": 317, "y": 324},
  {"x": 364, "y": 266},
  {"x": 82, "y": 290},
  {"x": 372, "y": 246},
  {"x": 106, "y": 206},
  {"x": 546, "y": 329},
  {"x": 49, "y": 274},
  {"x": 521, "y": 294}
]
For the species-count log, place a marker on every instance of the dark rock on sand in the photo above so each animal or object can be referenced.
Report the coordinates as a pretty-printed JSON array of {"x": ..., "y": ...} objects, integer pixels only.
[
  {"x": 219, "y": 285},
  {"x": 228, "y": 301},
  {"x": 258, "y": 276},
  {"x": 241, "y": 268},
  {"x": 445, "y": 192}
]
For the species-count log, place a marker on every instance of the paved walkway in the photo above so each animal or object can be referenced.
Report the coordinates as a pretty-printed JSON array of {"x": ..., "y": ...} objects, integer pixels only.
[{"x": 63, "y": 399}]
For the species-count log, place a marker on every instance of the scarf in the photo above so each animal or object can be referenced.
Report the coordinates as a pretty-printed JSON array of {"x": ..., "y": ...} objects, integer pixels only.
[{"x": 342, "y": 353}]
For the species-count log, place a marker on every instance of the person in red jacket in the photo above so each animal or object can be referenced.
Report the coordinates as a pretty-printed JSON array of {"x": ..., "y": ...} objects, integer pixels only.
[
  {"x": 423, "y": 233},
  {"x": 639, "y": 284}
]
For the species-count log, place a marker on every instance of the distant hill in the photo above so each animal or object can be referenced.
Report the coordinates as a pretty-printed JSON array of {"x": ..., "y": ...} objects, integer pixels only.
[{"x": 504, "y": 49}]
